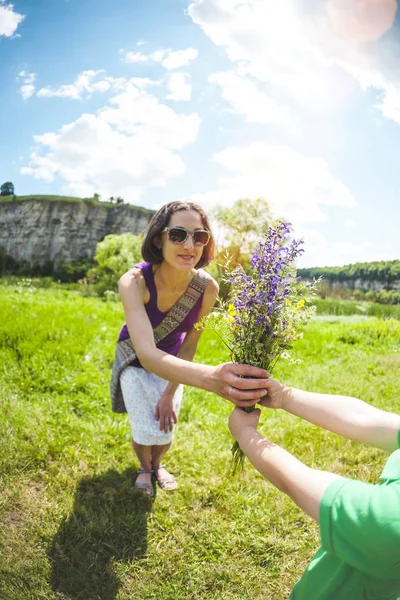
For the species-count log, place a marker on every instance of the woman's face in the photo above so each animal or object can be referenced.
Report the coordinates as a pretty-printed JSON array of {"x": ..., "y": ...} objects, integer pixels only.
[{"x": 182, "y": 256}]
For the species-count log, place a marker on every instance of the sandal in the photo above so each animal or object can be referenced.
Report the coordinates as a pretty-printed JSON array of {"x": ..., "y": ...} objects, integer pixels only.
[
  {"x": 147, "y": 488},
  {"x": 167, "y": 483}
]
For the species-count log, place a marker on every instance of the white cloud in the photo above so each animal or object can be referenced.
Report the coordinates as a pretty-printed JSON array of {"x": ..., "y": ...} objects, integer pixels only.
[
  {"x": 139, "y": 57},
  {"x": 390, "y": 105},
  {"x": 297, "y": 187},
  {"x": 296, "y": 48},
  {"x": 179, "y": 87},
  {"x": 169, "y": 59},
  {"x": 27, "y": 81},
  {"x": 246, "y": 99},
  {"x": 130, "y": 145},
  {"x": 27, "y": 77},
  {"x": 179, "y": 58},
  {"x": 9, "y": 19},
  {"x": 84, "y": 86},
  {"x": 27, "y": 90},
  {"x": 140, "y": 82},
  {"x": 349, "y": 224}
]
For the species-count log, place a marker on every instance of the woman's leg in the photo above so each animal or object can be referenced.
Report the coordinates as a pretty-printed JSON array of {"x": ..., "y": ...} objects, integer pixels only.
[
  {"x": 165, "y": 479},
  {"x": 142, "y": 391},
  {"x": 144, "y": 454},
  {"x": 158, "y": 453}
]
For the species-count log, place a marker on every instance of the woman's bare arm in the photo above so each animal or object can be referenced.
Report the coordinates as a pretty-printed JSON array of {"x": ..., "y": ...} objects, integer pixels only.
[{"x": 229, "y": 380}]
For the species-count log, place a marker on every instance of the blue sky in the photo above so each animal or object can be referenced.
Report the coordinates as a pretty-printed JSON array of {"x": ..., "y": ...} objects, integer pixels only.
[{"x": 153, "y": 100}]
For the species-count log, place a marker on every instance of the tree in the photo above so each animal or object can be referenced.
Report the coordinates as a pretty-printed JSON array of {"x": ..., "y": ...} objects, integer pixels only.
[
  {"x": 115, "y": 255},
  {"x": 7, "y": 189},
  {"x": 242, "y": 223},
  {"x": 120, "y": 200},
  {"x": 96, "y": 196},
  {"x": 239, "y": 228}
]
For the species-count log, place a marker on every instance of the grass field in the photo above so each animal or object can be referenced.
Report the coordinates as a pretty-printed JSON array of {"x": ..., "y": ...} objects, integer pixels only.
[
  {"x": 328, "y": 306},
  {"x": 72, "y": 526}
]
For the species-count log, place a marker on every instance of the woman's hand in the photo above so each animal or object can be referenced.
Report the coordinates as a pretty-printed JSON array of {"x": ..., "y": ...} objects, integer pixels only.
[
  {"x": 231, "y": 381},
  {"x": 165, "y": 413},
  {"x": 240, "y": 420}
]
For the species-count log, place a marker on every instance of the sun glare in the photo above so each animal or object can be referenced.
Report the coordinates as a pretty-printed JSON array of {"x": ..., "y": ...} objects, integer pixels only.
[{"x": 361, "y": 20}]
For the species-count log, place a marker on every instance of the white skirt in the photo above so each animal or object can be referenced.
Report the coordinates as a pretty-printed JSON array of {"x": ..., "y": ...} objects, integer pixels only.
[{"x": 141, "y": 391}]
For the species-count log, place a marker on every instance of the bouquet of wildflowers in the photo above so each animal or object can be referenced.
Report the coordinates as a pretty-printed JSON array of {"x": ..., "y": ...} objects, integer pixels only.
[{"x": 268, "y": 308}]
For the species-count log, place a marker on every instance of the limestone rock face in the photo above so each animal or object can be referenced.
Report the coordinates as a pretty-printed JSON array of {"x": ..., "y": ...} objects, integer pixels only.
[
  {"x": 42, "y": 230},
  {"x": 366, "y": 285}
]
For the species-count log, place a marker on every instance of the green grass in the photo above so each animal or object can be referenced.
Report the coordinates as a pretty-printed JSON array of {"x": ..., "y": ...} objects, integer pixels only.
[
  {"x": 330, "y": 306},
  {"x": 72, "y": 526},
  {"x": 67, "y": 200}
]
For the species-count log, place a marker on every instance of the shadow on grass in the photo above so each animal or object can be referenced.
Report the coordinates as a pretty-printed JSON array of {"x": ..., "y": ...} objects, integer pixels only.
[{"x": 108, "y": 523}]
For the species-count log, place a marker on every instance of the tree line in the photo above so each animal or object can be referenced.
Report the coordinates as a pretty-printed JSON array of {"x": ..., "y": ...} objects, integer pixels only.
[
  {"x": 7, "y": 189},
  {"x": 385, "y": 272}
]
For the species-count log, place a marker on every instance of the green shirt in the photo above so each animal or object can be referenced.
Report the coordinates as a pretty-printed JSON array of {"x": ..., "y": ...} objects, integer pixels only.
[{"x": 360, "y": 534}]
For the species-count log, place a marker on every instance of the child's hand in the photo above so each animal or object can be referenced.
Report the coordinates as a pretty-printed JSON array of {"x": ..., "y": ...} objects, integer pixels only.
[
  {"x": 240, "y": 421},
  {"x": 274, "y": 397}
]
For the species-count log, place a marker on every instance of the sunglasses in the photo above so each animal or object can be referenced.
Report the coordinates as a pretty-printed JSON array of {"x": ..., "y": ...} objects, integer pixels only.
[{"x": 179, "y": 235}]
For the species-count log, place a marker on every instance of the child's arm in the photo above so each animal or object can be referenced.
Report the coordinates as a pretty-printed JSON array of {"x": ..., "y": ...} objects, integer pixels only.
[
  {"x": 346, "y": 416},
  {"x": 304, "y": 485}
]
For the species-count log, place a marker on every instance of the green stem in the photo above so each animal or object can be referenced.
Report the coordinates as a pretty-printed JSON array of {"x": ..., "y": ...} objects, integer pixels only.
[{"x": 222, "y": 339}]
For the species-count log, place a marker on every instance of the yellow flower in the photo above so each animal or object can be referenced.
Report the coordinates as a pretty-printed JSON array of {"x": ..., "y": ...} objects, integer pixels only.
[
  {"x": 231, "y": 310},
  {"x": 300, "y": 304}
]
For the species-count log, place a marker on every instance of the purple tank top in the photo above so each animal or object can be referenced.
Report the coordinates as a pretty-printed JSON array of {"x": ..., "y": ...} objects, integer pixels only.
[{"x": 173, "y": 341}]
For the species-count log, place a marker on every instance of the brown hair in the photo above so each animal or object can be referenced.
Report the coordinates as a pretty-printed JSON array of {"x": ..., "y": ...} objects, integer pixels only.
[{"x": 152, "y": 254}]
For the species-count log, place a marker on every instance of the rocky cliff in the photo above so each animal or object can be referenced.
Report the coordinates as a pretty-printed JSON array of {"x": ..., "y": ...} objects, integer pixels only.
[{"x": 40, "y": 230}]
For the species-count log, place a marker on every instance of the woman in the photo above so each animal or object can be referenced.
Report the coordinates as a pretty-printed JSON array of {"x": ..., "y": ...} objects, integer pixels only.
[{"x": 177, "y": 244}]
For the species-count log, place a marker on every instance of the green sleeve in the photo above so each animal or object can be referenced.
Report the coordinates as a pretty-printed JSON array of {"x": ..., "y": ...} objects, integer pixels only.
[{"x": 360, "y": 524}]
